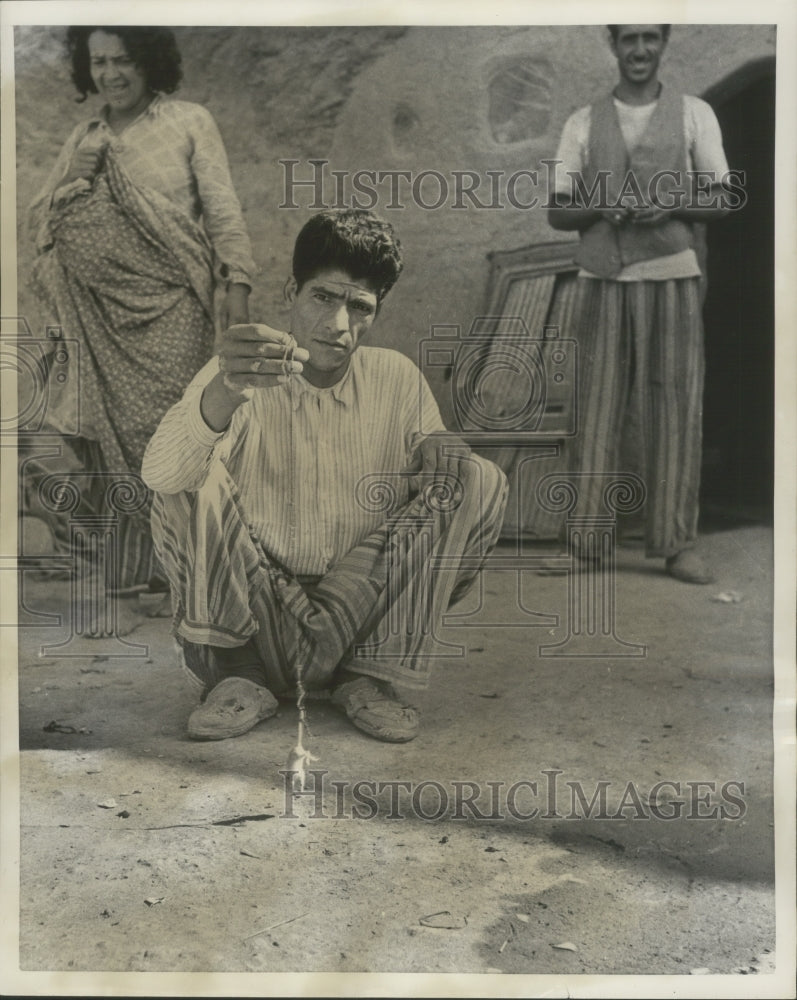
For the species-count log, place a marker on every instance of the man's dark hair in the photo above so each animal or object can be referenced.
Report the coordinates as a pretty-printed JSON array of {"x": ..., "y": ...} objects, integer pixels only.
[
  {"x": 153, "y": 50},
  {"x": 352, "y": 240},
  {"x": 614, "y": 30}
]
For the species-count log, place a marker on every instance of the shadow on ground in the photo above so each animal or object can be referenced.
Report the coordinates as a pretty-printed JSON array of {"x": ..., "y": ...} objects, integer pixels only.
[{"x": 144, "y": 851}]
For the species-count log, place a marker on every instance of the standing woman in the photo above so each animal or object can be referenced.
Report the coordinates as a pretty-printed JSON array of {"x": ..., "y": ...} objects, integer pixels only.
[{"x": 136, "y": 228}]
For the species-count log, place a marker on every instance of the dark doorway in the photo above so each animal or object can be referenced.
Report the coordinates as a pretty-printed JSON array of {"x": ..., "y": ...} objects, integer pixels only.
[{"x": 738, "y": 425}]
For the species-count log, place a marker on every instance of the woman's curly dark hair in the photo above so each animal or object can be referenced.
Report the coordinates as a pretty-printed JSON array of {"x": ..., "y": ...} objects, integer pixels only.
[{"x": 153, "y": 50}]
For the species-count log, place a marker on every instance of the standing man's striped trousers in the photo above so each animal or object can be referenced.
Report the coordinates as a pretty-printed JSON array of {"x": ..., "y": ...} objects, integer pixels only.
[{"x": 641, "y": 358}]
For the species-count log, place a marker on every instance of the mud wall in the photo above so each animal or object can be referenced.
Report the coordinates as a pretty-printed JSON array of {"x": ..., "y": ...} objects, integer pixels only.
[{"x": 490, "y": 101}]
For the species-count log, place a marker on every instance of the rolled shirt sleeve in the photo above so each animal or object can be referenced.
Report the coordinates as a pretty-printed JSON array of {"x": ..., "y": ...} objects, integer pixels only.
[
  {"x": 571, "y": 155},
  {"x": 704, "y": 139}
]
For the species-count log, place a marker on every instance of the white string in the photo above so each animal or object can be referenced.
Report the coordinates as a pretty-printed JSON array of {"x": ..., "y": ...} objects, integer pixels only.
[{"x": 299, "y": 758}]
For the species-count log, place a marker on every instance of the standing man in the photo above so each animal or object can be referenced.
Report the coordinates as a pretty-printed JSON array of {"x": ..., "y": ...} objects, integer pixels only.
[
  {"x": 636, "y": 170},
  {"x": 309, "y": 522}
]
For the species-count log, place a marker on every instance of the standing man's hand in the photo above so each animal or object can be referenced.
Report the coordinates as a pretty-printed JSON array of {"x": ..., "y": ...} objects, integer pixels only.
[
  {"x": 615, "y": 216},
  {"x": 644, "y": 215},
  {"x": 235, "y": 307},
  {"x": 649, "y": 215}
]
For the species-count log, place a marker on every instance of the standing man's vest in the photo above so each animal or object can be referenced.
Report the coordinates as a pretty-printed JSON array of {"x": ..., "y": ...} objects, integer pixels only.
[{"x": 606, "y": 249}]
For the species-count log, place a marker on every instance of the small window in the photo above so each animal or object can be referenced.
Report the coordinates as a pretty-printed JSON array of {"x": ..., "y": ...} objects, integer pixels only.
[{"x": 520, "y": 100}]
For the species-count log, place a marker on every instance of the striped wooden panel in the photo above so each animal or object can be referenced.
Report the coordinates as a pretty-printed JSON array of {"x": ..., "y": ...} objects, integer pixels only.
[
  {"x": 546, "y": 300},
  {"x": 530, "y": 520},
  {"x": 508, "y": 390},
  {"x": 537, "y": 285},
  {"x": 530, "y": 298},
  {"x": 564, "y": 301}
]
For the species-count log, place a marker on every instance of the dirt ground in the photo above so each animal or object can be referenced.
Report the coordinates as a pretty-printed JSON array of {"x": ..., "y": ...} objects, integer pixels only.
[{"x": 144, "y": 851}]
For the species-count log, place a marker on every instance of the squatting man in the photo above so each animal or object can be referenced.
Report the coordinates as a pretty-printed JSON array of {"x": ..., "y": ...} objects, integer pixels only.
[{"x": 305, "y": 522}]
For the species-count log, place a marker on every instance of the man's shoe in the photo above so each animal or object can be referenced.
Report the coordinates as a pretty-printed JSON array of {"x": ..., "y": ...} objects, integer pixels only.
[
  {"x": 232, "y": 708},
  {"x": 373, "y": 707},
  {"x": 688, "y": 567}
]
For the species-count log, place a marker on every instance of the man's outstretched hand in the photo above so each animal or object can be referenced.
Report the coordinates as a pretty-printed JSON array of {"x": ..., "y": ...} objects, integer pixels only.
[
  {"x": 255, "y": 356},
  {"x": 251, "y": 356}
]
